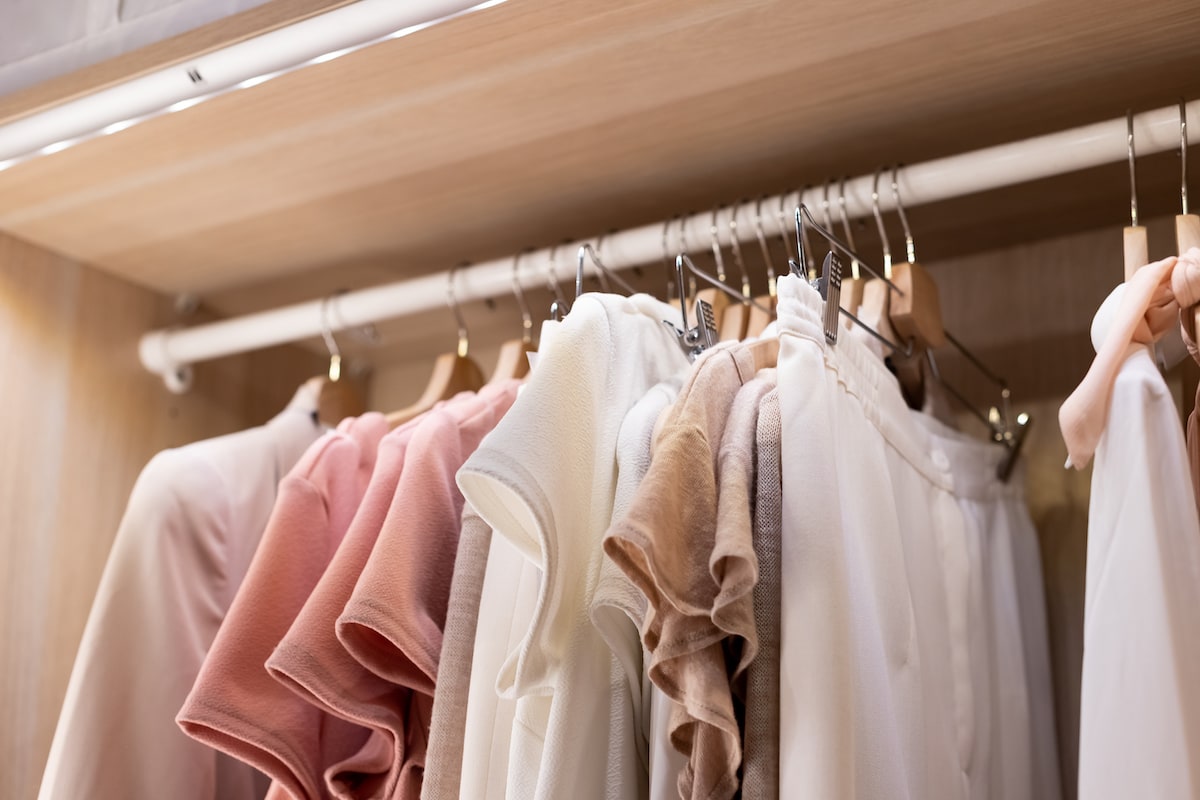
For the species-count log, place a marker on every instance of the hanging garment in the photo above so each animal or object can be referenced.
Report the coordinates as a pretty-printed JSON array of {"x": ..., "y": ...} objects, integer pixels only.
[
  {"x": 448, "y": 719},
  {"x": 760, "y": 757},
  {"x": 508, "y": 599},
  {"x": 873, "y": 555},
  {"x": 617, "y": 604},
  {"x": 189, "y": 532},
  {"x": 544, "y": 480},
  {"x": 696, "y": 568},
  {"x": 1140, "y": 703},
  {"x": 1016, "y": 755},
  {"x": 311, "y": 659},
  {"x": 393, "y": 622},
  {"x": 235, "y": 706}
]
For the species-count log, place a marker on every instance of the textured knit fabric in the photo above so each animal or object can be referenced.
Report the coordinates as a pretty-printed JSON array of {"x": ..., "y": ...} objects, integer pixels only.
[
  {"x": 697, "y": 573},
  {"x": 193, "y": 521},
  {"x": 1140, "y": 701},
  {"x": 235, "y": 705},
  {"x": 760, "y": 760},
  {"x": 544, "y": 480},
  {"x": 312, "y": 662},
  {"x": 875, "y": 691},
  {"x": 448, "y": 721},
  {"x": 393, "y": 621}
]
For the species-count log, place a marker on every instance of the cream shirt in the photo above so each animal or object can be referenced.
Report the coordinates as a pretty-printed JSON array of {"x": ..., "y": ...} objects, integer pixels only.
[{"x": 545, "y": 481}]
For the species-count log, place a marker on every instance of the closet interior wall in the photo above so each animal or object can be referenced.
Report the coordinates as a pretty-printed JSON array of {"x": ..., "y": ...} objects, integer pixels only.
[
  {"x": 81, "y": 418},
  {"x": 600, "y": 116}
]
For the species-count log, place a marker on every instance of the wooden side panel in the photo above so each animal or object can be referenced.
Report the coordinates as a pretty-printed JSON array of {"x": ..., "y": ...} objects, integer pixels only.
[{"x": 80, "y": 419}]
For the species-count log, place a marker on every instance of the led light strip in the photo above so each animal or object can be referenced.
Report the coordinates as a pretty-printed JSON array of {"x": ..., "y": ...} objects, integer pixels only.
[{"x": 316, "y": 40}]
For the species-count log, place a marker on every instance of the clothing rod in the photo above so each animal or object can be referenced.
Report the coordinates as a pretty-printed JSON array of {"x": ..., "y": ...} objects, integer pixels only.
[{"x": 165, "y": 352}]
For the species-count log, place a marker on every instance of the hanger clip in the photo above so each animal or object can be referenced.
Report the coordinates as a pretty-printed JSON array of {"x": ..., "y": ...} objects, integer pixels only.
[
  {"x": 1013, "y": 439},
  {"x": 830, "y": 287},
  {"x": 694, "y": 341}
]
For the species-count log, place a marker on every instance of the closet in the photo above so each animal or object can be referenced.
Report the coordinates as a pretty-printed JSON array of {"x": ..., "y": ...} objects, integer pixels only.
[{"x": 518, "y": 127}]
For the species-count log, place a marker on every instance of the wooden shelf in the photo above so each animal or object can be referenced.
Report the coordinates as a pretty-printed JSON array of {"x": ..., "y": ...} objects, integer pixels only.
[{"x": 534, "y": 121}]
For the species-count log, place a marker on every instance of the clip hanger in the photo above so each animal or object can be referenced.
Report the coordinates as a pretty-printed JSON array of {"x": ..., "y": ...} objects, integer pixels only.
[
  {"x": 693, "y": 341},
  {"x": 833, "y": 267}
]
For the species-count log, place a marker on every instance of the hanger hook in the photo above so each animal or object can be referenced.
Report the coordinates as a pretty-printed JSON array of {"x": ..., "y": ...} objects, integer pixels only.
[
  {"x": 887, "y": 249},
  {"x": 586, "y": 249},
  {"x": 716, "y": 245},
  {"x": 1133, "y": 209},
  {"x": 762, "y": 244},
  {"x": 782, "y": 223},
  {"x": 335, "y": 355},
  {"x": 736, "y": 247},
  {"x": 519, "y": 293},
  {"x": 558, "y": 306},
  {"x": 909, "y": 245},
  {"x": 464, "y": 340},
  {"x": 690, "y": 290},
  {"x": 1183, "y": 143},
  {"x": 666, "y": 254},
  {"x": 846, "y": 227},
  {"x": 828, "y": 220}
]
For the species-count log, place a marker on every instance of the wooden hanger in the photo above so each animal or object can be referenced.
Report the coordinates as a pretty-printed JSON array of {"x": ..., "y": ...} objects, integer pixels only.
[
  {"x": 1187, "y": 226},
  {"x": 762, "y": 313},
  {"x": 1136, "y": 243},
  {"x": 337, "y": 399},
  {"x": 915, "y": 311},
  {"x": 736, "y": 321},
  {"x": 852, "y": 287},
  {"x": 720, "y": 301},
  {"x": 513, "y": 360},
  {"x": 452, "y": 372}
]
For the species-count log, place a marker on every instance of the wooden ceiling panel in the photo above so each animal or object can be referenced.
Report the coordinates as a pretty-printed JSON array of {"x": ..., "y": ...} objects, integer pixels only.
[{"x": 530, "y": 122}]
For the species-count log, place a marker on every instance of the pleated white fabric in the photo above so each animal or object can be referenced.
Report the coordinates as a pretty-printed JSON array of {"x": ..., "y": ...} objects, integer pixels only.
[{"x": 877, "y": 691}]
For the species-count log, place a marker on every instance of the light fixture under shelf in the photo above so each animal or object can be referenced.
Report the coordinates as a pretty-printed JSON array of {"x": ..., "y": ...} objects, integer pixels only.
[{"x": 252, "y": 62}]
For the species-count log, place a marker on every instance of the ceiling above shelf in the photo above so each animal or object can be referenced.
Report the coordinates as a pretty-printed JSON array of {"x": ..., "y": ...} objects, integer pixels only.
[{"x": 534, "y": 121}]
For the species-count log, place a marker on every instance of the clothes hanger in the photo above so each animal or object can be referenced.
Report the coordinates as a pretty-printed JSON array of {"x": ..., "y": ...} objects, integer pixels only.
[
  {"x": 1137, "y": 246},
  {"x": 697, "y": 339},
  {"x": 336, "y": 398},
  {"x": 513, "y": 360},
  {"x": 759, "y": 320},
  {"x": 558, "y": 306},
  {"x": 737, "y": 315},
  {"x": 1187, "y": 226},
  {"x": 852, "y": 287},
  {"x": 717, "y": 300},
  {"x": 452, "y": 372},
  {"x": 875, "y": 304},
  {"x": 829, "y": 286},
  {"x": 603, "y": 273}
]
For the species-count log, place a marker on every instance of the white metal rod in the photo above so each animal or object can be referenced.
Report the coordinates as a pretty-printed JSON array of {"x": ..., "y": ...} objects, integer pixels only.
[
  {"x": 240, "y": 65},
  {"x": 163, "y": 351}
]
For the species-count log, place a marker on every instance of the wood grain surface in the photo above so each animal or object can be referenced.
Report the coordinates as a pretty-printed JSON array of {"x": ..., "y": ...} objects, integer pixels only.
[{"x": 80, "y": 419}]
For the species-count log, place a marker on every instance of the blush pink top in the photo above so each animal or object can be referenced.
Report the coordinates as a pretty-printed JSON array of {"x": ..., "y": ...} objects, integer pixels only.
[
  {"x": 235, "y": 706},
  {"x": 313, "y": 663},
  {"x": 394, "y": 620}
]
